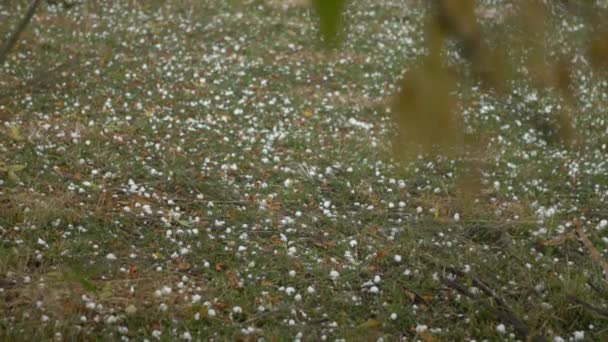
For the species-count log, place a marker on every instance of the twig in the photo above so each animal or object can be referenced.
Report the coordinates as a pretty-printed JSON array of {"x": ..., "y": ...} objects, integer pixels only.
[
  {"x": 14, "y": 37},
  {"x": 591, "y": 307},
  {"x": 485, "y": 288},
  {"x": 504, "y": 314},
  {"x": 558, "y": 240},
  {"x": 593, "y": 252},
  {"x": 597, "y": 289}
]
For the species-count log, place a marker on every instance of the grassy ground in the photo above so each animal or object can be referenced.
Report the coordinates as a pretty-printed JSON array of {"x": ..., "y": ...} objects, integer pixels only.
[{"x": 204, "y": 170}]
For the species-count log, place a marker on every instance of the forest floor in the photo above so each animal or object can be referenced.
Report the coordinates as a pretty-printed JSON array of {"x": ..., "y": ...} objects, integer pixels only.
[{"x": 207, "y": 170}]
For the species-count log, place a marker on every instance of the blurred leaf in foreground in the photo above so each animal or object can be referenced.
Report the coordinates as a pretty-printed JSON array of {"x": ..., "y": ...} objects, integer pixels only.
[
  {"x": 598, "y": 51},
  {"x": 425, "y": 110},
  {"x": 330, "y": 18}
]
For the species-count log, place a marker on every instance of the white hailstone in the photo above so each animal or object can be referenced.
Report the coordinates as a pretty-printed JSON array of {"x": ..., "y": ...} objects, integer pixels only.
[
  {"x": 292, "y": 273},
  {"x": 419, "y": 210},
  {"x": 163, "y": 307},
  {"x": 310, "y": 290},
  {"x": 397, "y": 258},
  {"x": 287, "y": 183},
  {"x": 166, "y": 290},
  {"x": 186, "y": 336},
  {"x": 211, "y": 313},
  {"x": 327, "y": 204},
  {"x": 407, "y": 272},
  {"x": 111, "y": 257},
  {"x": 393, "y": 316},
  {"x": 196, "y": 298},
  {"x": 457, "y": 217},
  {"x": 353, "y": 243},
  {"x": 156, "y": 334},
  {"x": 401, "y": 204},
  {"x": 579, "y": 335},
  {"x": 334, "y": 274},
  {"x": 497, "y": 185},
  {"x": 111, "y": 319},
  {"x": 467, "y": 269},
  {"x": 374, "y": 289},
  {"x": 501, "y": 328},
  {"x": 298, "y": 297},
  {"x": 44, "y": 318},
  {"x": 558, "y": 339},
  {"x": 242, "y": 248},
  {"x": 237, "y": 309},
  {"x": 290, "y": 290},
  {"x": 603, "y": 224},
  {"x": 420, "y": 328},
  {"x": 377, "y": 279}
]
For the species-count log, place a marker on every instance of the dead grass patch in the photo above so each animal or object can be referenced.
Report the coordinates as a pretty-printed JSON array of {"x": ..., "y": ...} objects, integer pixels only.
[{"x": 39, "y": 209}]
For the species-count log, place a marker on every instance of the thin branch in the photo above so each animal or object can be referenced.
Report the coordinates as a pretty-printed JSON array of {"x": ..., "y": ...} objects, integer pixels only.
[
  {"x": 14, "y": 37},
  {"x": 485, "y": 288},
  {"x": 502, "y": 313},
  {"x": 596, "y": 256},
  {"x": 600, "y": 311},
  {"x": 597, "y": 288}
]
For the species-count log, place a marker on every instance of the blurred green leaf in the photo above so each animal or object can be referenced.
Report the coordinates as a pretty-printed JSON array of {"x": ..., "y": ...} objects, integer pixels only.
[
  {"x": 427, "y": 111},
  {"x": 330, "y": 18},
  {"x": 78, "y": 274}
]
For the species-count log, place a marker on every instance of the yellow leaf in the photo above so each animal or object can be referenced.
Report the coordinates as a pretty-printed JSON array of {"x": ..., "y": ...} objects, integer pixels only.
[
  {"x": 107, "y": 291},
  {"x": 13, "y": 177},
  {"x": 15, "y": 134},
  {"x": 370, "y": 324},
  {"x": 131, "y": 309},
  {"x": 308, "y": 113}
]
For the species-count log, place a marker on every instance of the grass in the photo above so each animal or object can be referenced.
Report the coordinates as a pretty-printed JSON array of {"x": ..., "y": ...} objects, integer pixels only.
[{"x": 197, "y": 169}]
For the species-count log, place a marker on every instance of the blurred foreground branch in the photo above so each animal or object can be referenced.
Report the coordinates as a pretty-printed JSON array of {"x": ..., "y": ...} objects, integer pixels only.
[{"x": 14, "y": 37}]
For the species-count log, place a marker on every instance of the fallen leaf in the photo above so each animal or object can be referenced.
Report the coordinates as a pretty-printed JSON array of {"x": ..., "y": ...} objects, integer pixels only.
[
  {"x": 370, "y": 324},
  {"x": 131, "y": 309},
  {"x": 308, "y": 113},
  {"x": 14, "y": 133}
]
